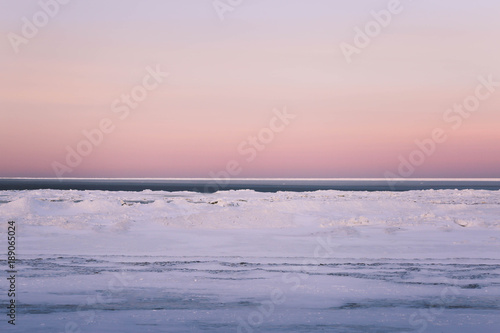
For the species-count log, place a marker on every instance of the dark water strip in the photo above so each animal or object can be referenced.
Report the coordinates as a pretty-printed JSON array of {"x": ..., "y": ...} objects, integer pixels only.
[{"x": 259, "y": 185}]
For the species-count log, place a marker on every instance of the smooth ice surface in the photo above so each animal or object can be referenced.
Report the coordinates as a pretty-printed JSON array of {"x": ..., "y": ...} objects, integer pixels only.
[{"x": 335, "y": 261}]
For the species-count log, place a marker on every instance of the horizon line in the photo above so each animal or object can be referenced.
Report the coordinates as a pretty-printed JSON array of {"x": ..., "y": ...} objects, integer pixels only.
[{"x": 249, "y": 178}]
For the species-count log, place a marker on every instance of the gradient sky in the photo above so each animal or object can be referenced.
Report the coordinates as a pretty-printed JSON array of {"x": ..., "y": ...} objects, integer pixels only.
[{"x": 225, "y": 78}]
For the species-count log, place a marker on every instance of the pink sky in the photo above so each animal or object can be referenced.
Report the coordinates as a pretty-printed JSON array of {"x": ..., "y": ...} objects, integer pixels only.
[{"x": 354, "y": 119}]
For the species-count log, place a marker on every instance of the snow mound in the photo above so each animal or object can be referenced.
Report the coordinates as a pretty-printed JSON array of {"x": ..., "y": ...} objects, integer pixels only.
[{"x": 124, "y": 211}]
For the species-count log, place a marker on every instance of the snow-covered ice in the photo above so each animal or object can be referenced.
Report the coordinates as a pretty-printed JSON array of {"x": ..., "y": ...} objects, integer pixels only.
[{"x": 244, "y": 261}]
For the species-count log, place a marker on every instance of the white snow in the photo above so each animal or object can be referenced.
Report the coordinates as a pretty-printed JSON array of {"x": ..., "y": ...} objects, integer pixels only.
[{"x": 182, "y": 261}]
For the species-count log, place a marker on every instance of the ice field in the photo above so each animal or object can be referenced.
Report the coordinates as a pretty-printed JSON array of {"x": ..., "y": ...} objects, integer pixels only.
[{"x": 244, "y": 261}]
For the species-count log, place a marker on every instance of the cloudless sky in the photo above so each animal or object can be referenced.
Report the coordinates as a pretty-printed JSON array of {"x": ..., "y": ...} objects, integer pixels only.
[{"x": 357, "y": 119}]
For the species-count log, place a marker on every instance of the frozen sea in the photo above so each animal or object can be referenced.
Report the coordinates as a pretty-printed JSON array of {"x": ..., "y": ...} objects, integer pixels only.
[{"x": 423, "y": 260}]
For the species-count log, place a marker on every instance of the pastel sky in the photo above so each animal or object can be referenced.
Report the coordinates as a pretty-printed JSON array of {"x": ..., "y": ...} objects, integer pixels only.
[{"x": 228, "y": 78}]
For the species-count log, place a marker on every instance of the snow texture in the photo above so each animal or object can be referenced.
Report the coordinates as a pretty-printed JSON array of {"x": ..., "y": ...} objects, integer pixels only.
[{"x": 244, "y": 261}]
